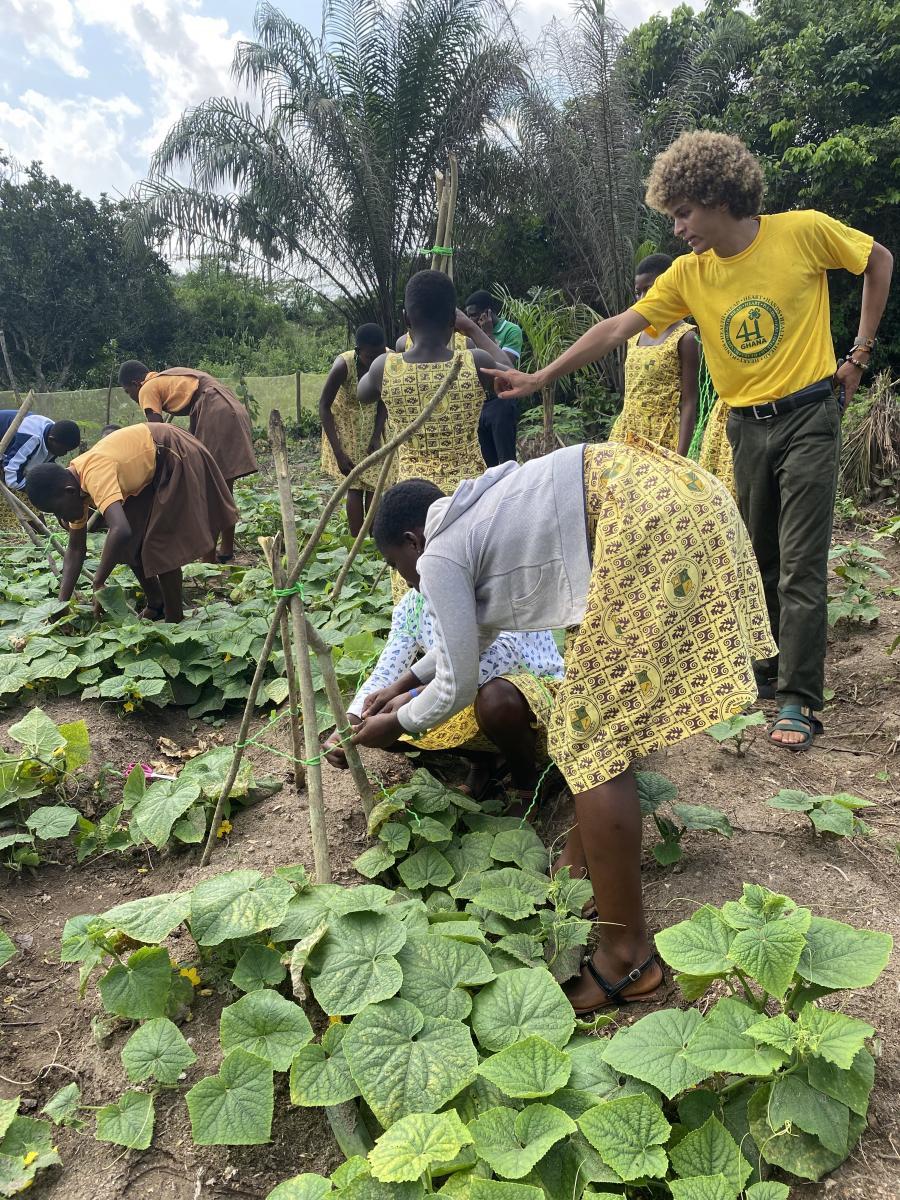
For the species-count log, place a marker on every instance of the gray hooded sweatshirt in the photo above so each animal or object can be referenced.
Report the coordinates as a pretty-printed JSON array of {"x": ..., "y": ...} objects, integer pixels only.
[{"x": 508, "y": 550}]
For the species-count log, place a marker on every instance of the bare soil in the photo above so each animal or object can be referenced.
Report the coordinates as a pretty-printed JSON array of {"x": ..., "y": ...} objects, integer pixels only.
[{"x": 47, "y": 1039}]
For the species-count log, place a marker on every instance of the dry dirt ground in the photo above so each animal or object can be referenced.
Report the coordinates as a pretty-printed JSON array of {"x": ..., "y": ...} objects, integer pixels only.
[{"x": 46, "y": 1031}]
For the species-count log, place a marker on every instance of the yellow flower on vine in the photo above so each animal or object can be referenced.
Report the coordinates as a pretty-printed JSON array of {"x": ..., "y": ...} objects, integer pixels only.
[
  {"x": 128, "y": 706},
  {"x": 29, "y": 1158},
  {"x": 224, "y": 828},
  {"x": 332, "y": 1020},
  {"x": 191, "y": 975}
]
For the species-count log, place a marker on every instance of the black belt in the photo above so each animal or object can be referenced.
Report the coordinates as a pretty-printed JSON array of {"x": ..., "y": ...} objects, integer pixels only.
[{"x": 816, "y": 393}]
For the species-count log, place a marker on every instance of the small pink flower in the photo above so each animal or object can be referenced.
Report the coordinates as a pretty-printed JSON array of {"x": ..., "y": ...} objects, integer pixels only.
[{"x": 148, "y": 770}]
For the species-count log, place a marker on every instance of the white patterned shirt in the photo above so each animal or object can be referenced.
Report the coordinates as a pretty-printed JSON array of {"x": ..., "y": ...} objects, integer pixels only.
[{"x": 412, "y": 634}]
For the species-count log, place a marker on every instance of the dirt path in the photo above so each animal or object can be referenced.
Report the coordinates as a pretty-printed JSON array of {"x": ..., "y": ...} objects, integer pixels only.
[{"x": 47, "y": 1038}]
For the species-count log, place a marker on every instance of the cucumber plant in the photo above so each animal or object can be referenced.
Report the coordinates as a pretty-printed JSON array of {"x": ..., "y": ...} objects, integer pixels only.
[{"x": 834, "y": 814}]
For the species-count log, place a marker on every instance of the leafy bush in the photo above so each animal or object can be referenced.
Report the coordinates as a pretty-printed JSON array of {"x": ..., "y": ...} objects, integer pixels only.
[
  {"x": 829, "y": 814},
  {"x": 456, "y": 1062},
  {"x": 654, "y": 791},
  {"x": 858, "y": 566}
]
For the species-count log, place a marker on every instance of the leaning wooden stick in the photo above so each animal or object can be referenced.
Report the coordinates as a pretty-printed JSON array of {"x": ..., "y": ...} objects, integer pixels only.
[
  {"x": 451, "y": 213},
  {"x": 336, "y": 498},
  {"x": 24, "y": 407},
  {"x": 271, "y": 548},
  {"x": 364, "y": 531},
  {"x": 314, "y": 792}
]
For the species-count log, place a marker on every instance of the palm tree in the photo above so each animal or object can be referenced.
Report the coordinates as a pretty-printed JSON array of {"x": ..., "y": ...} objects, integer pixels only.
[
  {"x": 550, "y": 326},
  {"x": 578, "y": 131},
  {"x": 328, "y": 176}
]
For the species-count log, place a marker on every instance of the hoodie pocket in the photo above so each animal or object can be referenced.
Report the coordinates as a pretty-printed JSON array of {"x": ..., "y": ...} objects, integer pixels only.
[{"x": 535, "y": 593}]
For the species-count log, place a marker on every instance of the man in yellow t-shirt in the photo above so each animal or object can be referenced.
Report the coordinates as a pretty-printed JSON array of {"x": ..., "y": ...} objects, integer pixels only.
[{"x": 758, "y": 290}]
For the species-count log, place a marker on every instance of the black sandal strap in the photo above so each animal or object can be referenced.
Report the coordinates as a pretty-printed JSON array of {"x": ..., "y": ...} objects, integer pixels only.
[{"x": 615, "y": 989}]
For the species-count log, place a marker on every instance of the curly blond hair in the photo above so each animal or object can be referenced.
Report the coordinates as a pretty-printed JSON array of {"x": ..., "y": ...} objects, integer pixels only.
[{"x": 710, "y": 169}]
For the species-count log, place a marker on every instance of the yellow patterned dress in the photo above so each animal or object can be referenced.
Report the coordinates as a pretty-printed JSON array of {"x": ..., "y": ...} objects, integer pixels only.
[
  {"x": 355, "y": 424},
  {"x": 445, "y": 450},
  {"x": 675, "y": 614},
  {"x": 462, "y": 728},
  {"x": 715, "y": 449},
  {"x": 651, "y": 407}
]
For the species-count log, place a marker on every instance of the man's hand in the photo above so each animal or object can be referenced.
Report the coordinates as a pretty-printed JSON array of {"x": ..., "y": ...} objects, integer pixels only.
[
  {"x": 334, "y": 747},
  {"x": 511, "y": 383},
  {"x": 465, "y": 324},
  {"x": 849, "y": 378},
  {"x": 97, "y": 607},
  {"x": 378, "y": 732}
]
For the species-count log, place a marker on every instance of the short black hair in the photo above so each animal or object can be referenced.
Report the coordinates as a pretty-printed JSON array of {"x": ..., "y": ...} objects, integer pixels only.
[
  {"x": 44, "y": 483},
  {"x": 370, "y": 335},
  {"x": 66, "y": 433},
  {"x": 654, "y": 264},
  {"x": 132, "y": 371},
  {"x": 430, "y": 299},
  {"x": 107, "y": 429},
  {"x": 481, "y": 301},
  {"x": 403, "y": 507}
]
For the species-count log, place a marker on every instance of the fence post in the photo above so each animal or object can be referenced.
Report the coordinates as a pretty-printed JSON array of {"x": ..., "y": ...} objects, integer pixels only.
[{"x": 298, "y": 395}]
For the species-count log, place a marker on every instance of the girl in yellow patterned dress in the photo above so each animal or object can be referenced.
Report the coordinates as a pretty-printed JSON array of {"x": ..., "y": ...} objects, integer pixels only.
[
  {"x": 350, "y": 430},
  {"x": 446, "y": 449},
  {"x": 660, "y": 401}
]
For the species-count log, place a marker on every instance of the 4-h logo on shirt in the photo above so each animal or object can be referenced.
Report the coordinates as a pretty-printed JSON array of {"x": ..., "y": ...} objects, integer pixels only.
[{"x": 752, "y": 328}]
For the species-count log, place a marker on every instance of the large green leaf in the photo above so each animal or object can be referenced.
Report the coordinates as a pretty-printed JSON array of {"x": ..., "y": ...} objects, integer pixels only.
[
  {"x": 151, "y": 919},
  {"x": 851, "y": 1087},
  {"x": 7, "y": 948},
  {"x": 770, "y": 953},
  {"x": 140, "y": 987},
  {"x": 52, "y": 821},
  {"x": 355, "y": 964},
  {"x": 838, "y": 956},
  {"x": 62, "y": 1107},
  {"x": 78, "y": 745},
  {"x": 833, "y": 1036},
  {"x": 266, "y": 1025},
  {"x": 307, "y": 1186},
  {"x": 699, "y": 946},
  {"x": 470, "y": 855},
  {"x": 512, "y": 1142},
  {"x": 233, "y": 1108},
  {"x": 702, "y": 1187},
  {"x": 654, "y": 1049},
  {"x": 162, "y": 804},
  {"x": 157, "y": 1050},
  {"x": 491, "y": 1189},
  {"x": 426, "y": 868},
  {"x": 793, "y": 1101},
  {"x": 437, "y": 972},
  {"x": 320, "y": 1074},
  {"x": 128, "y": 1122},
  {"x": 528, "y": 1069},
  {"x": 653, "y": 790},
  {"x": 237, "y": 904},
  {"x": 8, "y": 1110},
  {"x": 790, "y": 1148},
  {"x": 519, "y": 1003},
  {"x": 258, "y": 967},
  {"x": 629, "y": 1134},
  {"x": 711, "y": 1150},
  {"x": 415, "y": 1144},
  {"x": 757, "y": 906},
  {"x": 522, "y": 847},
  {"x": 374, "y": 861},
  {"x": 423, "y": 793},
  {"x": 721, "y": 1043},
  {"x": 37, "y": 733},
  {"x": 405, "y": 1062},
  {"x": 699, "y": 817},
  {"x": 768, "y": 1191}
]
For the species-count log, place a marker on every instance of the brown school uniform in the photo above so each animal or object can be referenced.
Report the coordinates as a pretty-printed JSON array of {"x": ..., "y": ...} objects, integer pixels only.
[
  {"x": 172, "y": 492},
  {"x": 218, "y": 419}
]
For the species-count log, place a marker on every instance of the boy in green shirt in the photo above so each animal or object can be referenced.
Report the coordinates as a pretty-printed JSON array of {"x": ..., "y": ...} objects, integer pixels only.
[
  {"x": 499, "y": 417},
  {"x": 758, "y": 290}
]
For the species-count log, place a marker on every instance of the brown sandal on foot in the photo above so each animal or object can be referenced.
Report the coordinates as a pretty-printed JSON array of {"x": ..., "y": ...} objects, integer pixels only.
[{"x": 614, "y": 990}]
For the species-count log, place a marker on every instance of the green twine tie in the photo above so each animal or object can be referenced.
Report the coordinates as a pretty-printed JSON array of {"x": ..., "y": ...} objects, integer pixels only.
[
  {"x": 447, "y": 250},
  {"x": 295, "y": 590}
]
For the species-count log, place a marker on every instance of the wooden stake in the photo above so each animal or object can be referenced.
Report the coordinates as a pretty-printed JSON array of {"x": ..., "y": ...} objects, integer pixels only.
[
  {"x": 451, "y": 212},
  {"x": 336, "y": 497},
  {"x": 364, "y": 531},
  {"x": 439, "y": 192},
  {"x": 271, "y": 548},
  {"x": 314, "y": 793}
]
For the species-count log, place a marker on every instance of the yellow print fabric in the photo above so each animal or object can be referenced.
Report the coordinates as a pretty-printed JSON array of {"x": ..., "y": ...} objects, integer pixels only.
[
  {"x": 675, "y": 614},
  {"x": 355, "y": 424},
  {"x": 652, "y": 404}
]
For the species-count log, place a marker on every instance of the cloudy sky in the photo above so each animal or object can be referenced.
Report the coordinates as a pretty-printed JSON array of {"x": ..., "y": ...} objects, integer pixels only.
[{"x": 90, "y": 86}]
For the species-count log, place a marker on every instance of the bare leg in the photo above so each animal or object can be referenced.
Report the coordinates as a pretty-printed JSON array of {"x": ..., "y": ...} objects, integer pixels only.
[
  {"x": 609, "y": 822},
  {"x": 226, "y": 540},
  {"x": 503, "y": 715},
  {"x": 170, "y": 583},
  {"x": 355, "y": 510},
  {"x": 572, "y": 855}
]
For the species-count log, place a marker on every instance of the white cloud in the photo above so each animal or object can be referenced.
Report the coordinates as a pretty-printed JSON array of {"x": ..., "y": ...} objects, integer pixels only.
[
  {"x": 47, "y": 30},
  {"x": 79, "y": 140}
]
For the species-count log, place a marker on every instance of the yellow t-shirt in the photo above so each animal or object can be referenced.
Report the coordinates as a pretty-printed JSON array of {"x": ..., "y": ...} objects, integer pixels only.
[
  {"x": 119, "y": 466},
  {"x": 763, "y": 314},
  {"x": 166, "y": 393}
]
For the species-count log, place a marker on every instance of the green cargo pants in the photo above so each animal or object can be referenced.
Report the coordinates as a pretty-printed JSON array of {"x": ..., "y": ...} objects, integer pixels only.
[{"x": 785, "y": 472}]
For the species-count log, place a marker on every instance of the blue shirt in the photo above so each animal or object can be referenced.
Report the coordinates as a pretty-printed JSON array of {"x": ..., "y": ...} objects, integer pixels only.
[{"x": 27, "y": 448}]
